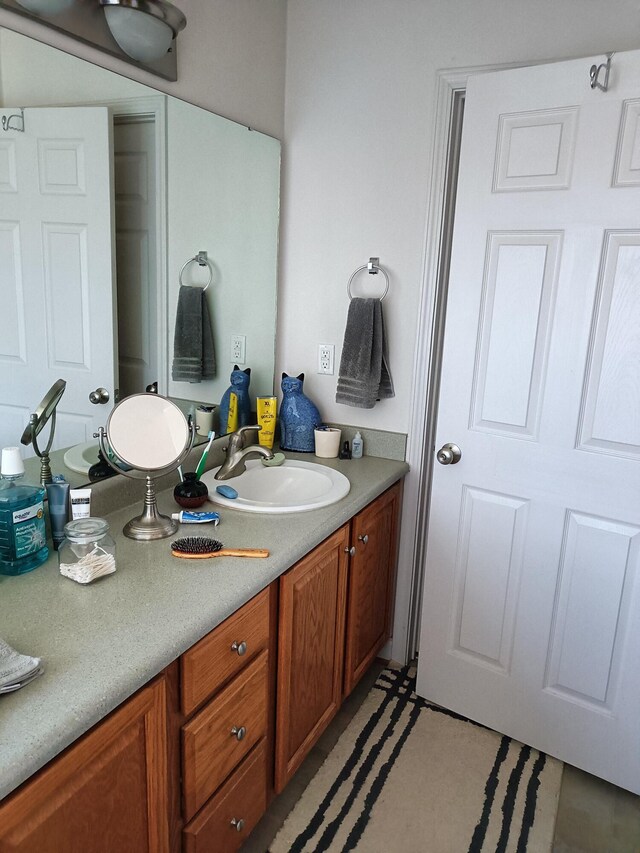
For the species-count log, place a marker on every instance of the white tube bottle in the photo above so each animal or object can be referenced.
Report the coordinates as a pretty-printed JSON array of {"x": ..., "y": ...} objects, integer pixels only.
[{"x": 356, "y": 446}]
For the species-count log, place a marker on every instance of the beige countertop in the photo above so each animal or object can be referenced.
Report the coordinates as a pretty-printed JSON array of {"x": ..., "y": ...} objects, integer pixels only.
[{"x": 100, "y": 643}]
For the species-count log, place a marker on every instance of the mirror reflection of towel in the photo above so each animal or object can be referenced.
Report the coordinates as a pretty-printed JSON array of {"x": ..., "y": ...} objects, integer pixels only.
[
  {"x": 193, "y": 352},
  {"x": 364, "y": 376}
]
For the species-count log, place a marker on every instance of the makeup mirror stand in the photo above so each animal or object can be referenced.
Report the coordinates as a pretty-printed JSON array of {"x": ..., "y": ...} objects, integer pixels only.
[
  {"x": 45, "y": 460},
  {"x": 45, "y": 413},
  {"x": 151, "y": 524},
  {"x": 149, "y": 436}
]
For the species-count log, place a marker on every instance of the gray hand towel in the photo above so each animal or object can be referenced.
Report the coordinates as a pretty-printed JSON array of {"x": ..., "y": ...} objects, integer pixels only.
[
  {"x": 364, "y": 376},
  {"x": 193, "y": 352},
  {"x": 15, "y": 667}
]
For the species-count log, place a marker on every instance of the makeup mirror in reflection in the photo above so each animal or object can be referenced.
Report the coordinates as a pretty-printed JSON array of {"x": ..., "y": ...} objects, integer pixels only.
[
  {"x": 97, "y": 304},
  {"x": 147, "y": 436},
  {"x": 43, "y": 415}
]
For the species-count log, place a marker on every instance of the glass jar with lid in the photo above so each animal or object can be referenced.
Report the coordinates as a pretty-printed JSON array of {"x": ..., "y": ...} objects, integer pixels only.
[{"x": 88, "y": 551}]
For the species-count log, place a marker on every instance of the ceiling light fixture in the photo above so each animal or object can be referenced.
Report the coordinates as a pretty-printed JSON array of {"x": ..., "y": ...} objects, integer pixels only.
[
  {"x": 144, "y": 29},
  {"x": 46, "y": 7}
]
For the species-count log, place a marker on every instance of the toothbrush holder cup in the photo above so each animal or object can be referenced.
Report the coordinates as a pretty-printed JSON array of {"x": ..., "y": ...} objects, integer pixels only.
[{"x": 327, "y": 442}]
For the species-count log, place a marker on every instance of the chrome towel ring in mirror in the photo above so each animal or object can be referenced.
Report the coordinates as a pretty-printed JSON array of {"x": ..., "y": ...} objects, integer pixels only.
[{"x": 373, "y": 268}]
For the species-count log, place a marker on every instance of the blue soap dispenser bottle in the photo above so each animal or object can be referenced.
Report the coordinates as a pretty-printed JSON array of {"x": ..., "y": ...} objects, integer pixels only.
[{"x": 23, "y": 538}]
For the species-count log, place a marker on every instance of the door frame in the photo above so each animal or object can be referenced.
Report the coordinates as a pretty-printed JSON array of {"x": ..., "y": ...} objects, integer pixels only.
[
  {"x": 451, "y": 84},
  {"x": 155, "y": 108}
]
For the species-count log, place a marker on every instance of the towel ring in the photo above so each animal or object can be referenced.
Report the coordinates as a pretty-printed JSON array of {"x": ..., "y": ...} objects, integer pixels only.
[
  {"x": 373, "y": 268},
  {"x": 202, "y": 260}
]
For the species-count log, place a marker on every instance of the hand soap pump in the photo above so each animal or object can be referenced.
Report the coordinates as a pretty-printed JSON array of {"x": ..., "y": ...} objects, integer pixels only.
[
  {"x": 23, "y": 538},
  {"x": 356, "y": 446}
]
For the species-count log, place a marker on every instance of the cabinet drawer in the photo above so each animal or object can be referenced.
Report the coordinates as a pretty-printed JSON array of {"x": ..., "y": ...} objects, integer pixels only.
[
  {"x": 226, "y": 821},
  {"x": 211, "y": 749},
  {"x": 224, "y": 652}
]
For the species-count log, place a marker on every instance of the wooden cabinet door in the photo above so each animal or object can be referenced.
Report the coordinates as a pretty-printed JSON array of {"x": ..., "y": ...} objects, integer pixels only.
[
  {"x": 374, "y": 534},
  {"x": 106, "y": 793},
  {"x": 310, "y": 651}
]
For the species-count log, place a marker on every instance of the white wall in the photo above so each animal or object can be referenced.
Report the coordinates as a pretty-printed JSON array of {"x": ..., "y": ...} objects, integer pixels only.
[
  {"x": 359, "y": 113},
  {"x": 231, "y": 58}
]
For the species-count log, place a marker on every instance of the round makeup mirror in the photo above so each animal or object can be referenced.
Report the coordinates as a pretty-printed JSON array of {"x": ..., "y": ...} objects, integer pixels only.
[
  {"x": 46, "y": 411},
  {"x": 151, "y": 435}
]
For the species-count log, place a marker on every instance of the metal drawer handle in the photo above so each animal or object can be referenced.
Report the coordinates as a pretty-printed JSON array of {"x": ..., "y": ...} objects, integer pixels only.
[
  {"x": 239, "y": 824},
  {"x": 238, "y": 733},
  {"x": 240, "y": 648},
  {"x": 351, "y": 551},
  {"x": 364, "y": 539}
]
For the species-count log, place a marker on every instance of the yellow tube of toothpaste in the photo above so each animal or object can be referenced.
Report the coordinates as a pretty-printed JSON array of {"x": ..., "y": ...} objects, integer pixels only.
[{"x": 267, "y": 407}]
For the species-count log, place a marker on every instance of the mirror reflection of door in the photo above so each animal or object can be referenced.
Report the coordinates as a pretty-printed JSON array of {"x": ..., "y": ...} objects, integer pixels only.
[
  {"x": 136, "y": 226},
  {"x": 56, "y": 267}
]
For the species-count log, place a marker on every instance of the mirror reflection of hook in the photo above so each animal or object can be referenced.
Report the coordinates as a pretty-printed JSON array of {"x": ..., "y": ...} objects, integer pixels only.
[
  {"x": 594, "y": 74},
  {"x": 6, "y": 122}
]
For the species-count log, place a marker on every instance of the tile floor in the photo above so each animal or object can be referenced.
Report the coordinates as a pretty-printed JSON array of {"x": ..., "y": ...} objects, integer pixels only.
[{"x": 593, "y": 816}]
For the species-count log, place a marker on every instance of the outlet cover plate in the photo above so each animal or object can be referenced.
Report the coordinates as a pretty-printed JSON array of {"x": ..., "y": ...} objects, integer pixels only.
[
  {"x": 238, "y": 349},
  {"x": 326, "y": 356}
]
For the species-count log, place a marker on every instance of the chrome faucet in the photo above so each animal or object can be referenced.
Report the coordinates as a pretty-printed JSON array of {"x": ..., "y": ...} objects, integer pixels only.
[{"x": 237, "y": 453}]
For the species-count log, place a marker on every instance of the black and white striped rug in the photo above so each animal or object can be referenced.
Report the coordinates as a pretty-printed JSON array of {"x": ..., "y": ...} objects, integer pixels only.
[{"x": 410, "y": 777}]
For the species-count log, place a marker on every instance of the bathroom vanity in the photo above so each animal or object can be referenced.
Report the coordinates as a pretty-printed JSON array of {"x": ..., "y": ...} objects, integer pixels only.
[{"x": 178, "y": 698}]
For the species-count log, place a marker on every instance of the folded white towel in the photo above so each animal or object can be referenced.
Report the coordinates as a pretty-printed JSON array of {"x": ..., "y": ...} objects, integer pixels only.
[{"x": 15, "y": 667}]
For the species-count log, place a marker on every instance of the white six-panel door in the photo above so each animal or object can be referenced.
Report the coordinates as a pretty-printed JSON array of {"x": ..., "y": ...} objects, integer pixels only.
[
  {"x": 56, "y": 268},
  {"x": 531, "y": 615}
]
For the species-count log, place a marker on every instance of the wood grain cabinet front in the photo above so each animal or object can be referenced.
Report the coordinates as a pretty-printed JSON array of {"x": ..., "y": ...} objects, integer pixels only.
[
  {"x": 372, "y": 572},
  {"x": 226, "y": 821},
  {"x": 224, "y": 652},
  {"x": 223, "y": 733},
  {"x": 310, "y": 651},
  {"x": 335, "y": 617},
  {"x": 106, "y": 793}
]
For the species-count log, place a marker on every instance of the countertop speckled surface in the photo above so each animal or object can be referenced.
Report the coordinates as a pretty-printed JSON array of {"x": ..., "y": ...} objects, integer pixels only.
[{"x": 102, "y": 642}]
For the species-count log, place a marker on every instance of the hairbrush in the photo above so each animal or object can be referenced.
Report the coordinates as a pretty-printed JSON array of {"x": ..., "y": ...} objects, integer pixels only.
[{"x": 201, "y": 547}]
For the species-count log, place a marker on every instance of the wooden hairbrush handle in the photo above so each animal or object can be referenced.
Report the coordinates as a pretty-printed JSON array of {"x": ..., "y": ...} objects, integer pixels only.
[{"x": 241, "y": 552}]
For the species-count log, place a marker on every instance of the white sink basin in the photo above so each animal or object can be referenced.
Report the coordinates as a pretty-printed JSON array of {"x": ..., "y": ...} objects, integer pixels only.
[
  {"x": 291, "y": 487},
  {"x": 81, "y": 457}
]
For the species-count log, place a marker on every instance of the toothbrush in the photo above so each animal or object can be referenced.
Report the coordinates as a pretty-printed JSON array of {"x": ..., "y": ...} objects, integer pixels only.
[
  {"x": 180, "y": 474},
  {"x": 203, "y": 458}
]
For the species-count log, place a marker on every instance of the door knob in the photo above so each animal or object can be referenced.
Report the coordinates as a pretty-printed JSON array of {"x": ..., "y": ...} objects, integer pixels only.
[
  {"x": 449, "y": 454},
  {"x": 100, "y": 395}
]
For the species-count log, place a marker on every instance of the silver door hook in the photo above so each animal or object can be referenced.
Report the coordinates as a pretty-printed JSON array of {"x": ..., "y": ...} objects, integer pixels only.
[{"x": 594, "y": 74}]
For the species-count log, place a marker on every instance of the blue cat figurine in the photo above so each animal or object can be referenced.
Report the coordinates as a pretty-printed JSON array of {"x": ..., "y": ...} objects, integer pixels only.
[
  {"x": 298, "y": 416},
  {"x": 240, "y": 387}
]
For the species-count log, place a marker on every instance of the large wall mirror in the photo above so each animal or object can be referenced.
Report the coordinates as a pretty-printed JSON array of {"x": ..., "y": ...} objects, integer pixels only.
[{"x": 107, "y": 189}]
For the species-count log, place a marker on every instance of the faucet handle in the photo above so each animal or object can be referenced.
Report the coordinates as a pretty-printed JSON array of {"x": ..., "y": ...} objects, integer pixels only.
[
  {"x": 240, "y": 432},
  {"x": 252, "y": 426}
]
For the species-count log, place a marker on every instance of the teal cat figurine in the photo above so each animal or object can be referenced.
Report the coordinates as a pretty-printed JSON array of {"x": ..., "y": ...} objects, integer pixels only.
[
  {"x": 298, "y": 416},
  {"x": 240, "y": 387}
]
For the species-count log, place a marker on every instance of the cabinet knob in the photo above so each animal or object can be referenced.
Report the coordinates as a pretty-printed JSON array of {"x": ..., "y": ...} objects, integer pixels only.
[
  {"x": 350, "y": 551},
  {"x": 238, "y": 733},
  {"x": 239, "y": 824},
  {"x": 364, "y": 539},
  {"x": 240, "y": 648}
]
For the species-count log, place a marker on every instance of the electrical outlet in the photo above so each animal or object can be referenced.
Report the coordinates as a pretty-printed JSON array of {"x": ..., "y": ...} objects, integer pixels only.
[
  {"x": 326, "y": 354},
  {"x": 238, "y": 348}
]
